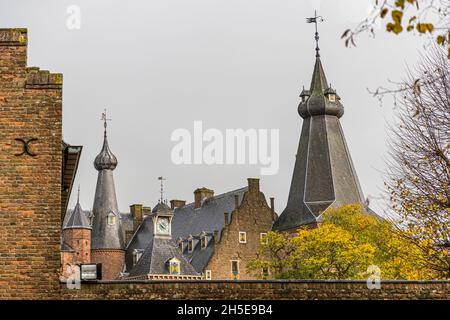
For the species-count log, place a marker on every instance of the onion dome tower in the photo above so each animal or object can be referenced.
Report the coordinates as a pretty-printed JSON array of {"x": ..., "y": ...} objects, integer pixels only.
[
  {"x": 107, "y": 236},
  {"x": 324, "y": 175}
]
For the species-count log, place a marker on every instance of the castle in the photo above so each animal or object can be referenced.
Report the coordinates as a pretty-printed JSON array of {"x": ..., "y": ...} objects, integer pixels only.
[{"x": 211, "y": 238}]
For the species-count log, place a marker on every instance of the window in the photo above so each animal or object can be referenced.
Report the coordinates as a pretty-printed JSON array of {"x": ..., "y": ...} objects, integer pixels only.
[
  {"x": 190, "y": 245},
  {"x": 242, "y": 237},
  {"x": 181, "y": 246},
  {"x": 234, "y": 270},
  {"x": 137, "y": 254},
  {"x": 265, "y": 271},
  {"x": 208, "y": 274},
  {"x": 111, "y": 219},
  {"x": 263, "y": 237},
  {"x": 174, "y": 266},
  {"x": 332, "y": 97},
  {"x": 203, "y": 242}
]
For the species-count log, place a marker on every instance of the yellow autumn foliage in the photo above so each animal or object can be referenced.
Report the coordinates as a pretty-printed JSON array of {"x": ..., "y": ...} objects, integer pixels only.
[{"x": 344, "y": 246}]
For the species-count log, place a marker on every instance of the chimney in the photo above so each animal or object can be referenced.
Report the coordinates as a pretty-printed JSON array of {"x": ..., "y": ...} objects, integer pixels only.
[
  {"x": 200, "y": 194},
  {"x": 177, "y": 203},
  {"x": 227, "y": 218},
  {"x": 137, "y": 213},
  {"x": 272, "y": 207},
  {"x": 253, "y": 185},
  {"x": 146, "y": 211}
]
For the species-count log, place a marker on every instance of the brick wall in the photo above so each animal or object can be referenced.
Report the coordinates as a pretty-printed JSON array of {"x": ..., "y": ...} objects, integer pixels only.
[
  {"x": 79, "y": 240},
  {"x": 254, "y": 217},
  {"x": 30, "y": 186},
  {"x": 260, "y": 290},
  {"x": 111, "y": 260}
]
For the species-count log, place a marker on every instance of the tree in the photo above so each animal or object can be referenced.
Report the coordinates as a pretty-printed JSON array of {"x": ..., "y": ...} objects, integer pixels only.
[
  {"x": 418, "y": 178},
  {"x": 343, "y": 247},
  {"x": 426, "y": 17}
]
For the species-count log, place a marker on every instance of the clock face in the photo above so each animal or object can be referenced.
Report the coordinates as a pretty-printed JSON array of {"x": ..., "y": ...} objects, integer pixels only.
[{"x": 162, "y": 225}]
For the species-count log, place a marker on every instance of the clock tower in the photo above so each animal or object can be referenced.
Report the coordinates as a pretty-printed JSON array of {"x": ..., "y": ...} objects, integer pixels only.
[{"x": 162, "y": 221}]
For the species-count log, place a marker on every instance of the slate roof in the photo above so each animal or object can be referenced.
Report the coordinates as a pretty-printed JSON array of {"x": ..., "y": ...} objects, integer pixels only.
[
  {"x": 154, "y": 259},
  {"x": 189, "y": 221},
  {"x": 77, "y": 218},
  {"x": 105, "y": 236},
  {"x": 199, "y": 257},
  {"x": 324, "y": 175}
]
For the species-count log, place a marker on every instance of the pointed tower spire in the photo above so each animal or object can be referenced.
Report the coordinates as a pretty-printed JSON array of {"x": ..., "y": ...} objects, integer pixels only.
[
  {"x": 107, "y": 234},
  {"x": 324, "y": 175},
  {"x": 77, "y": 218}
]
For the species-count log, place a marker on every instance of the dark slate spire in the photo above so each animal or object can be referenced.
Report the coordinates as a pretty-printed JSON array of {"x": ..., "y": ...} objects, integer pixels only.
[
  {"x": 77, "y": 218},
  {"x": 106, "y": 225},
  {"x": 324, "y": 175}
]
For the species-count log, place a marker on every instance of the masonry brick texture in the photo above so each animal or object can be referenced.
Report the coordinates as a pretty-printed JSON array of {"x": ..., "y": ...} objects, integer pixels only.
[
  {"x": 79, "y": 239},
  {"x": 253, "y": 217},
  {"x": 30, "y": 187},
  {"x": 254, "y": 290},
  {"x": 111, "y": 260}
]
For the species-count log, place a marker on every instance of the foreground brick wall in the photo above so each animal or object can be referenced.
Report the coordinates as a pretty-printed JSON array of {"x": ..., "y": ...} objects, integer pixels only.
[
  {"x": 260, "y": 290},
  {"x": 30, "y": 187}
]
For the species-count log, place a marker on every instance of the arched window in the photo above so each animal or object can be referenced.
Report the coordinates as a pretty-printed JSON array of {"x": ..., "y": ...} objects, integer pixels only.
[{"x": 111, "y": 219}]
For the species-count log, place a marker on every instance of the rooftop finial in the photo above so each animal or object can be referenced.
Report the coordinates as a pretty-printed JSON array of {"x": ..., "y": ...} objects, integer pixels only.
[
  {"x": 314, "y": 20},
  {"x": 104, "y": 119},
  {"x": 78, "y": 196},
  {"x": 161, "y": 179}
]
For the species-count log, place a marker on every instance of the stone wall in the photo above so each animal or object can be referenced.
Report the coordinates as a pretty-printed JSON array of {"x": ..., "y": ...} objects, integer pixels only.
[
  {"x": 259, "y": 290},
  {"x": 30, "y": 179}
]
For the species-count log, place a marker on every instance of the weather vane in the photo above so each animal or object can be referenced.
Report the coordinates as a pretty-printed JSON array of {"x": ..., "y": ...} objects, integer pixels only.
[
  {"x": 314, "y": 20},
  {"x": 161, "y": 179}
]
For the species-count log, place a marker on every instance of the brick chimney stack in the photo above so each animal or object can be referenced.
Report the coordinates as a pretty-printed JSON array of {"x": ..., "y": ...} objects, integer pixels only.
[
  {"x": 200, "y": 194},
  {"x": 253, "y": 185},
  {"x": 136, "y": 211}
]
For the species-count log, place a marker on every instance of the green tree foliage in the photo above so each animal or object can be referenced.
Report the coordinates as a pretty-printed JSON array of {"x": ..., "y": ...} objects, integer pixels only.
[{"x": 342, "y": 247}]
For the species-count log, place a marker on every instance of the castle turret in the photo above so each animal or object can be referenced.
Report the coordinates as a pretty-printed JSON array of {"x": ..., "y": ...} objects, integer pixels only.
[
  {"x": 107, "y": 236},
  {"x": 76, "y": 240},
  {"x": 324, "y": 175}
]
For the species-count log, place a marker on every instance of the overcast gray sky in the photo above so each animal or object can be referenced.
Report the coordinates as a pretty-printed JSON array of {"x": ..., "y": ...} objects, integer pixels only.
[{"x": 159, "y": 65}]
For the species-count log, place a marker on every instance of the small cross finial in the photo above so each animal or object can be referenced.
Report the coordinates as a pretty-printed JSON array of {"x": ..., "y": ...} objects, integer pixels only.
[
  {"x": 314, "y": 20},
  {"x": 78, "y": 196},
  {"x": 161, "y": 179}
]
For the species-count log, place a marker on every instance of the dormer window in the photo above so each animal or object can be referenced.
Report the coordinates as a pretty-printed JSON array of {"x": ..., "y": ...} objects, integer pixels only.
[
  {"x": 174, "y": 266},
  {"x": 330, "y": 93},
  {"x": 191, "y": 245},
  {"x": 137, "y": 254},
  {"x": 203, "y": 242},
  {"x": 111, "y": 219}
]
